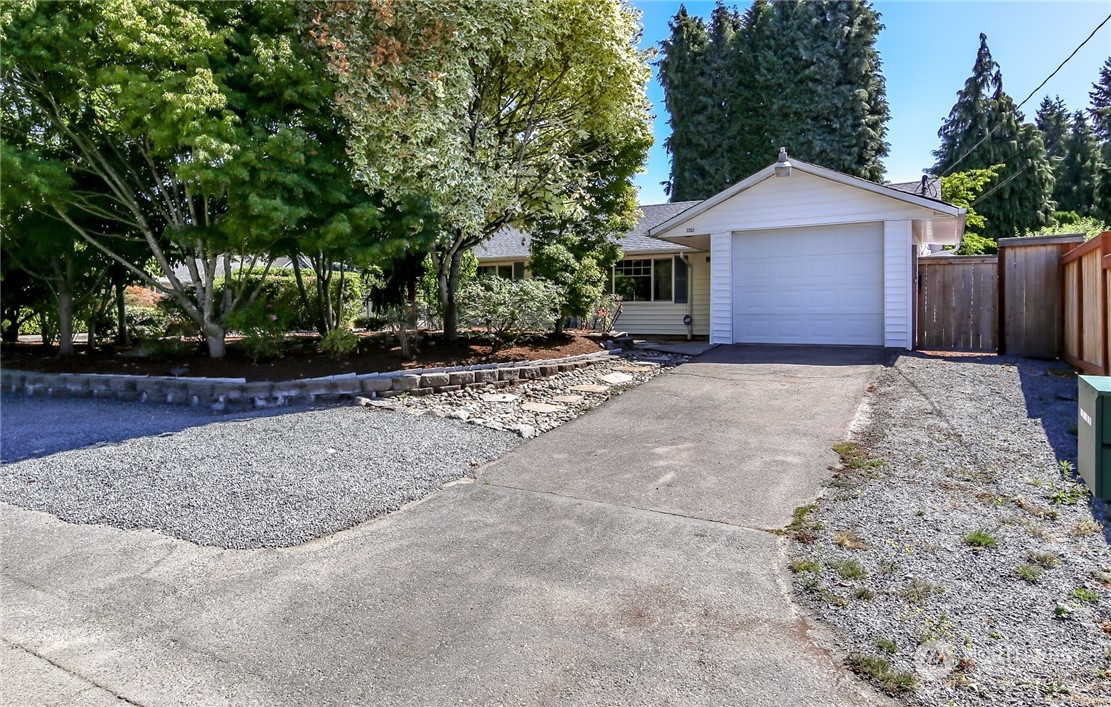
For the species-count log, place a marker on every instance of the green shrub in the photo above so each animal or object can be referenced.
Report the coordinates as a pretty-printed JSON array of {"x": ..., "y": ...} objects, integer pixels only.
[
  {"x": 339, "y": 343},
  {"x": 281, "y": 291},
  {"x": 263, "y": 330},
  {"x": 507, "y": 310},
  {"x": 980, "y": 539}
]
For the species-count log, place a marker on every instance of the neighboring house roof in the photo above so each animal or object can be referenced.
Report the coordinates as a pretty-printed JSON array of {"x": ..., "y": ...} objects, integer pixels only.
[
  {"x": 929, "y": 187},
  {"x": 768, "y": 172},
  {"x": 511, "y": 243}
]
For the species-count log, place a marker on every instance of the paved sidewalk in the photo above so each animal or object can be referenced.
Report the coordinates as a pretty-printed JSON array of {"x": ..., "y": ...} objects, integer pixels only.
[{"x": 618, "y": 559}]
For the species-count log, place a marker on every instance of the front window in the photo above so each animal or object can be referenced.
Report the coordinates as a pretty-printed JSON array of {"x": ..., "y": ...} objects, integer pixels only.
[
  {"x": 651, "y": 280},
  {"x": 511, "y": 271}
]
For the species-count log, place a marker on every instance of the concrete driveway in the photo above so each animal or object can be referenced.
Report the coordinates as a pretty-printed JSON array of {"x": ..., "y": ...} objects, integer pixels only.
[{"x": 622, "y": 558}]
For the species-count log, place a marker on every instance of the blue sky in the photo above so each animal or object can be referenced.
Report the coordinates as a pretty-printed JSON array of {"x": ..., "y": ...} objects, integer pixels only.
[{"x": 927, "y": 50}]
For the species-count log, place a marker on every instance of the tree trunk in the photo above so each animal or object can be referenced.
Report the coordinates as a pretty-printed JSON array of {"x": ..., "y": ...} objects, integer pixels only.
[
  {"x": 123, "y": 338},
  {"x": 559, "y": 325},
  {"x": 90, "y": 346},
  {"x": 313, "y": 311},
  {"x": 451, "y": 311},
  {"x": 214, "y": 336},
  {"x": 65, "y": 320}
]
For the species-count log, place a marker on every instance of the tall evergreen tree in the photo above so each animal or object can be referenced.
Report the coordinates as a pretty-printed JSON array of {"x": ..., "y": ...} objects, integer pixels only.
[
  {"x": 681, "y": 70},
  {"x": 802, "y": 75},
  {"x": 717, "y": 112},
  {"x": 1101, "y": 121},
  {"x": 1053, "y": 120},
  {"x": 1078, "y": 173},
  {"x": 984, "y": 128}
]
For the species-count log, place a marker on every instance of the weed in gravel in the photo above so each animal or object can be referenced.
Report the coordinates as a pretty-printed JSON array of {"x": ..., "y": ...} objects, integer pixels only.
[
  {"x": 981, "y": 539},
  {"x": 919, "y": 590},
  {"x": 890, "y": 567},
  {"x": 992, "y": 499},
  {"x": 880, "y": 671},
  {"x": 887, "y": 646},
  {"x": 1045, "y": 560},
  {"x": 1086, "y": 595},
  {"x": 1036, "y": 483},
  {"x": 855, "y": 457},
  {"x": 1088, "y": 526},
  {"x": 850, "y": 540},
  {"x": 1034, "y": 529},
  {"x": 848, "y": 569},
  {"x": 1035, "y": 510},
  {"x": 937, "y": 629},
  {"x": 803, "y": 527},
  {"x": 1067, "y": 493},
  {"x": 864, "y": 594},
  {"x": 1029, "y": 573},
  {"x": 800, "y": 566},
  {"x": 920, "y": 513}
]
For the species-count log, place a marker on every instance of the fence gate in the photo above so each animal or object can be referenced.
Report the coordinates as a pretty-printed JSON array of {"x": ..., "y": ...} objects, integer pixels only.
[
  {"x": 1031, "y": 284},
  {"x": 958, "y": 300}
]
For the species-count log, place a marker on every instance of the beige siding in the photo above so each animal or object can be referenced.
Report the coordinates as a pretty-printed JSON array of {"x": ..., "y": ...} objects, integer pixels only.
[
  {"x": 666, "y": 318},
  {"x": 799, "y": 200},
  {"x": 700, "y": 271},
  {"x": 898, "y": 296}
]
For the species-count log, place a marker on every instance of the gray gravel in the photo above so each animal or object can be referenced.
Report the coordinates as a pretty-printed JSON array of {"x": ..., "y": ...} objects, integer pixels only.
[
  {"x": 263, "y": 481},
  {"x": 967, "y": 444}
]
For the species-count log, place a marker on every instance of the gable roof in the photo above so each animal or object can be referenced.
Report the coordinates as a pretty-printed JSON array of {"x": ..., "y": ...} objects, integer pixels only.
[
  {"x": 885, "y": 190},
  {"x": 511, "y": 243}
]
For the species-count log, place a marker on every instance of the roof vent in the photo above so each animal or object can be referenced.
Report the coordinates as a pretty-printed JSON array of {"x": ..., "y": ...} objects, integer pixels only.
[{"x": 783, "y": 166}]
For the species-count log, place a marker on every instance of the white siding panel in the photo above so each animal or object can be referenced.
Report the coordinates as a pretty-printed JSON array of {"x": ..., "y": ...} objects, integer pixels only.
[
  {"x": 798, "y": 200},
  {"x": 721, "y": 288},
  {"x": 898, "y": 294}
]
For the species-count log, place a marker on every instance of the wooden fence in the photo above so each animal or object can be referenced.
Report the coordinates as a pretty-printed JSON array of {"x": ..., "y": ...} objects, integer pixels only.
[
  {"x": 1032, "y": 294},
  {"x": 1087, "y": 306},
  {"x": 957, "y": 303}
]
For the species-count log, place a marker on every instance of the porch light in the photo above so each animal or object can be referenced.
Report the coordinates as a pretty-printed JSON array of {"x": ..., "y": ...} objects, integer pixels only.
[{"x": 783, "y": 166}]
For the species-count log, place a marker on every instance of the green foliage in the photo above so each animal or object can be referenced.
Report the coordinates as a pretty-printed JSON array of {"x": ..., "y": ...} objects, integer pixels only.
[
  {"x": 1089, "y": 226},
  {"x": 404, "y": 322},
  {"x": 1053, "y": 122},
  {"x": 737, "y": 88},
  {"x": 187, "y": 133},
  {"x": 880, "y": 672},
  {"x": 605, "y": 312},
  {"x": 339, "y": 343},
  {"x": 980, "y": 539},
  {"x": 263, "y": 328},
  {"x": 1086, "y": 595},
  {"x": 800, "y": 566},
  {"x": 497, "y": 112},
  {"x": 428, "y": 289},
  {"x": 1020, "y": 198},
  {"x": 1078, "y": 172},
  {"x": 962, "y": 189},
  {"x": 889, "y": 647},
  {"x": 848, "y": 569},
  {"x": 506, "y": 310},
  {"x": 1031, "y": 574},
  {"x": 279, "y": 288}
]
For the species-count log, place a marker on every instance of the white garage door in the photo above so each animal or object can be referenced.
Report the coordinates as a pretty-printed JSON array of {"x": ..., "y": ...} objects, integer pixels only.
[{"x": 809, "y": 286}]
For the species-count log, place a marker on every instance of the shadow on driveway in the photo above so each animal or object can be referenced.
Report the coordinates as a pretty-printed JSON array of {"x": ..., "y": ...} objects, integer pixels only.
[{"x": 38, "y": 427}]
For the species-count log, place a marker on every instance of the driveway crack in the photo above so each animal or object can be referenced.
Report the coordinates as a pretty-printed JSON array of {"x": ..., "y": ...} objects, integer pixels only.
[
  {"x": 626, "y": 506},
  {"x": 11, "y": 645}
]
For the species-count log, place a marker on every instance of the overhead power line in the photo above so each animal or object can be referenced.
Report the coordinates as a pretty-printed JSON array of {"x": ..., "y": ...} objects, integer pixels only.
[{"x": 1024, "y": 100}]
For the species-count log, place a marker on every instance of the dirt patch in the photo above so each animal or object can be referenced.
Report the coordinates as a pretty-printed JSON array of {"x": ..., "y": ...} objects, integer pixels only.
[{"x": 377, "y": 352}]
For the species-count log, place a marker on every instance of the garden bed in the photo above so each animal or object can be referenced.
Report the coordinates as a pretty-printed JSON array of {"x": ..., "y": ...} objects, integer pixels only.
[{"x": 301, "y": 359}]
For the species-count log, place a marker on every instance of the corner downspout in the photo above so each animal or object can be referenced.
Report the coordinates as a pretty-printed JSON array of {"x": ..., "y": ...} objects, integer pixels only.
[{"x": 690, "y": 293}]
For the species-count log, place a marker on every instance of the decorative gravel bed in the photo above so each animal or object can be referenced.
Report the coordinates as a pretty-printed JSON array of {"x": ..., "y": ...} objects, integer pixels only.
[
  {"x": 280, "y": 480},
  {"x": 954, "y": 553}
]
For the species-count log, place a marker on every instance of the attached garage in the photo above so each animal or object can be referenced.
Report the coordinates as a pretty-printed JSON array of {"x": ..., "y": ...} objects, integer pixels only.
[
  {"x": 820, "y": 285},
  {"x": 812, "y": 256}
]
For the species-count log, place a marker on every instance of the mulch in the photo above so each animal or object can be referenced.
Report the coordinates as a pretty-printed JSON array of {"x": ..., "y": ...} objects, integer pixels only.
[{"x": 377, "y": 352}]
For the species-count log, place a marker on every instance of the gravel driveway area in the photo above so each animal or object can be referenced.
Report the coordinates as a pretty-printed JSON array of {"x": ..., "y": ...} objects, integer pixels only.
[
  {"x": 954, "y": 553},
  {"x": 259, "y": 481}
]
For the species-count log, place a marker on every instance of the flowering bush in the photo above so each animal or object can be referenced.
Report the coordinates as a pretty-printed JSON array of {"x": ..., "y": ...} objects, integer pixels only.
[
  {"x": 263, "y": 330},
  {"x": 606, "y": 313}
]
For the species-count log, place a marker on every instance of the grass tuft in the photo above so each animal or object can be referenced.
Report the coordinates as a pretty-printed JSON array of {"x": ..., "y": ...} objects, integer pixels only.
[
  {"x": 887, "y": 646},
  {"x": 1045, "y": 560},
  {"x": 1086, "y": 595},
  {"x": 855, "y": 457},
  {"x": 879, "y": 671},
  {"x": 1029, "y": 573},
  {"x": 800, "y": 566},
  {"x": 850, "y": 540},
  {"x": 919, "y": 590},
  {"x": 980, "y": 539},
  {"x": 848, "y": 569}
]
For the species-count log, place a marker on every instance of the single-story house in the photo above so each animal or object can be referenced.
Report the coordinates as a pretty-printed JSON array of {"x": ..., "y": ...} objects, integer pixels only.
[{"x": 794, "y": 254}]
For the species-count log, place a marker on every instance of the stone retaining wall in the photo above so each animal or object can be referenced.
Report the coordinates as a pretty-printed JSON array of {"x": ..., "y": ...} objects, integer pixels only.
[{"x": 229, "y": 393}]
